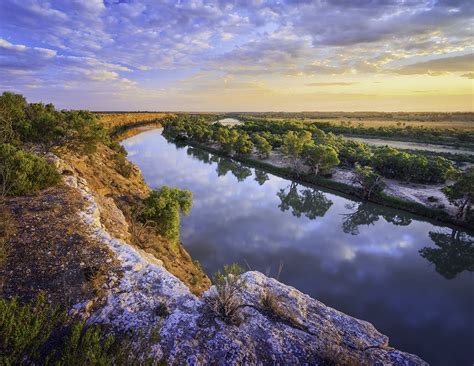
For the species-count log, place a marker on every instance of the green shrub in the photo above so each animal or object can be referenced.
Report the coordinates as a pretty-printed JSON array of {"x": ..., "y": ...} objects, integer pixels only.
[
  {"x": 461, "y": 193},
  {"x": 43, "y": 124},
  {"x": 41, "y": 334},
  {"x": 22, "y": 172},
  {"x": 25, "y": 330},
  {"x": 164, "y": 207},
  {"x": 86, "y": 346}
]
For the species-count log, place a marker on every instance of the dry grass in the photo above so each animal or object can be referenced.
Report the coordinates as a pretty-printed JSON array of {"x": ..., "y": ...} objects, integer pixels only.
[
  {"x": 139, "y": 229},
  {"x": 461, "y": 125},
  {"x": 356, "y": 122},
  {"x": 110, "y": 120},
  {"x": 335, "y": 355},
  {"x": 225, "y": 299},
  {"x": 96, "y": 276}
]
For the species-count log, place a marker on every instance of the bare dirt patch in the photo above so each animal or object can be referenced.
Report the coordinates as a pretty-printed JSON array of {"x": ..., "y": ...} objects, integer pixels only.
[{"x": 51, "y": 251}]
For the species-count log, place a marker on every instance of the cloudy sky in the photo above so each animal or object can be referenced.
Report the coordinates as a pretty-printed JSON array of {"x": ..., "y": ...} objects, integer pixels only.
[{"x": 242, "y": 55}]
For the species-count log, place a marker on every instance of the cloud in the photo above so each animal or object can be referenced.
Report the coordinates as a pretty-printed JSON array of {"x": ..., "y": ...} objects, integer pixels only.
[
  {"x": 335, "y": 83},
  {"x": 149, "y": 47},
  {"x": 441, "y": 66}
]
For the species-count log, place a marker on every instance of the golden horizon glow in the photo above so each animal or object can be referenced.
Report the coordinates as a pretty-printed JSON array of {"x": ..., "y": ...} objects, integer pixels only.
[{"x": 255, "y": 56}]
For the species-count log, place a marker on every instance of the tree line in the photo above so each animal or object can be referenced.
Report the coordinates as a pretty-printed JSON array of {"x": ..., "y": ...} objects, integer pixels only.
[
  {"x": 316, "y": 150},
  {"x": 451, "y": 136},
  {"x": 308, "y": 148}
]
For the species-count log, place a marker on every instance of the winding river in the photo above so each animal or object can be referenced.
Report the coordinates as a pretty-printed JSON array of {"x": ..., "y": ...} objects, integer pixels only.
[{"x": 410, "y": 278}]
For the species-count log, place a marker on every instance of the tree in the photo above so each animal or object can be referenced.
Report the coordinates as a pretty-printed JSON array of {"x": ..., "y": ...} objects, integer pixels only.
[
  {"x": 40, "y": 123},
  {"x": 352, "y": 152},
  {"x": 440, "y": 169},
  {"x": 371, "y": 182},
  {"x": 461, "y": 193},
  {"x": 320, "y": 157},
  {"x": 164, "y": 206},
  {"x": 227, "y": 139},
  {"x": 243, "y": 144},
  {"x": 263, "y": 146},
  {"x": 294, "y": 143},
  {"x": 12, "y": 116}
]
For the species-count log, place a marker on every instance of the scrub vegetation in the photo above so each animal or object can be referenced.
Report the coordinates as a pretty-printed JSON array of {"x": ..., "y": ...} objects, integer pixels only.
[
  {"x": 28, "y": 131},
  {"x": 39, "y": 334},
  {"x": 37, "y": 331}
]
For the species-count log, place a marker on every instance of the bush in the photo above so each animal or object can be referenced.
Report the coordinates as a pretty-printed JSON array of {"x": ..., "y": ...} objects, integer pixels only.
[
  {"x": 461, "y": 193},
  {"x": 42, "y": 124},
  {"x": 370, "y": 182},
  {"x": 224, "y": 299},
  {"x": 164, "y": 206},
  {"x": 39, "y": 334},
  {"x": 25, "y": 329},
  {"x": 392, "y": 163},
  {"x": 22, "y": 172}
]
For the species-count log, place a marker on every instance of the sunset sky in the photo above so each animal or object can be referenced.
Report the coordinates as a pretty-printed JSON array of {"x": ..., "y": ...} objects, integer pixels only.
[{"x": 246, "y": 55}]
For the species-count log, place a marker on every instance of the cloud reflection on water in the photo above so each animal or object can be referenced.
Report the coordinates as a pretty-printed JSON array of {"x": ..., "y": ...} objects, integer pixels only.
[{"x": 357, "y": 257}]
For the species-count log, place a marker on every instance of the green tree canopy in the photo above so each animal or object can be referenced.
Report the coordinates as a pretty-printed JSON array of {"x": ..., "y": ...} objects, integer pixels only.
[
  {"x": 320, "y": 157},
  {"x": 164, "y": 206},
  {"x": 370, "y": 182},
  {"x": 461, "y": 193}
]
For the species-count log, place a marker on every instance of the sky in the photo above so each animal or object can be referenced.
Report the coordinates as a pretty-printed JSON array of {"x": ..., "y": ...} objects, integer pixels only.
[{"x": 242, "y": 55}]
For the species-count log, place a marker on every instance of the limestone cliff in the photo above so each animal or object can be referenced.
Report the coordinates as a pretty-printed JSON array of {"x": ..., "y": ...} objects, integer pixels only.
[
  {"x": 146, "y": 294},
  {"x": 114, "y": 196}
]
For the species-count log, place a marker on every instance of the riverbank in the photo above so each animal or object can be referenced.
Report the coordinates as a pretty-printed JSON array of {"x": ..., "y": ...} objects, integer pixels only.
[
  {"x": 189, "y": 334},
  {"x": 137, "y": 290},
  {"x": 279, "y": 168}
]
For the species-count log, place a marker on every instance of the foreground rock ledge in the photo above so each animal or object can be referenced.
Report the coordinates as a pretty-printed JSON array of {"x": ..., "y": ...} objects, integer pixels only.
[{"x": 189, "y": 333}]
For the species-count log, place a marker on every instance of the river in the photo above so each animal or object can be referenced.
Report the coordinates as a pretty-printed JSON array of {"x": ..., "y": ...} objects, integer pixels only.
[{"x": 408, "y": 277}]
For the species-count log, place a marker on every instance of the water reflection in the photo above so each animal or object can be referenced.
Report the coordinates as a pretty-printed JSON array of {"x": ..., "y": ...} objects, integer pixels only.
[
  {"x": 360, "y": 258},
  {"x": 365, "y": 213},
  {"x": 455, "y": 253},
  {"x": 310, "y": 202},
  {"x": 261, "y": 177}
]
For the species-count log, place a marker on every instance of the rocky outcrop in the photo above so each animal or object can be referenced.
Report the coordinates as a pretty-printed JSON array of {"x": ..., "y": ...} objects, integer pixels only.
[{"x": 147, "y": 295}]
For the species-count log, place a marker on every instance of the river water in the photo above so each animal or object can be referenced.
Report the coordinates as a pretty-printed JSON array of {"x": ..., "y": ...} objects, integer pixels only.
[{"x": 410, "y": 278}]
